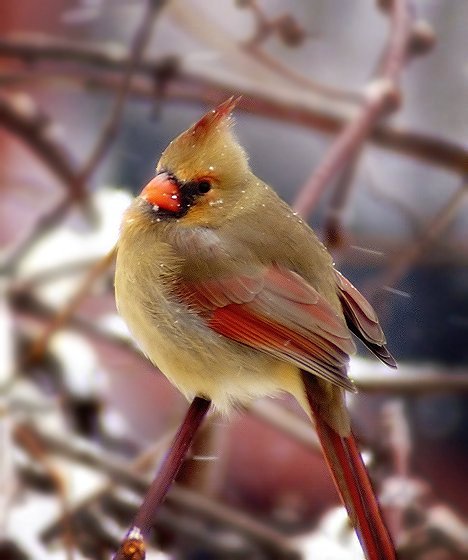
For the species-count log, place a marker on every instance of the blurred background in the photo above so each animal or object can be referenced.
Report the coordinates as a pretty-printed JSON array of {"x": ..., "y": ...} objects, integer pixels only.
[{"x": 91, "y": 93}]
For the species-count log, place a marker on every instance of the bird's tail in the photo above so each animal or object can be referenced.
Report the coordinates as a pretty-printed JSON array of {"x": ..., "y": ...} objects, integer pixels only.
[{"x": 353, "y": 484}]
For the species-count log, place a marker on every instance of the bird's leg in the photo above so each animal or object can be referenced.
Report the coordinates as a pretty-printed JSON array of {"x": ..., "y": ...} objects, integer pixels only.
[
  {"x": 352, "y": 482},
  {"x": 133, "y": 545}
]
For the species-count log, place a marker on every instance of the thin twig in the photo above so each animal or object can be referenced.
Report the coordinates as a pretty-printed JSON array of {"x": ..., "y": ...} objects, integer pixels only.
[
  {"x": 415, "y": 383},
  {"x": 63, "y": 316},
  {"x": 266, "y": 27},
  {"x": 143, "y": 521},
  {"x": 34, "y": 446},
  {"x": 188, "y": 85},
  {"x": 407, "y": 258},
  {"x": 140, "y": 40},
  {"x": 287, "y": 422},
  {"x": 186, "y": 499},
  {"x": 20, "y": 115},
  {"x": 382, "y": 95},
  {"x": 42, "y": 227}
]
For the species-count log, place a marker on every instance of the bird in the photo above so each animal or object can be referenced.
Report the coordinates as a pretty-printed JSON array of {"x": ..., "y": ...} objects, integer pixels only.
[{"x": 233, "y": 297}]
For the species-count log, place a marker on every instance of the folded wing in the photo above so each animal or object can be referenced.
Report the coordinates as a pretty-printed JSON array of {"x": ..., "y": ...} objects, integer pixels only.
[
  {"x": 276, "y": 311},
  {"x": 362, "y": 320}
]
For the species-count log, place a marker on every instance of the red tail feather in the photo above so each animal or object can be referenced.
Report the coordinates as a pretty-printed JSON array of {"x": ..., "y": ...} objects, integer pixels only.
[{"x": 353, "y": 485}]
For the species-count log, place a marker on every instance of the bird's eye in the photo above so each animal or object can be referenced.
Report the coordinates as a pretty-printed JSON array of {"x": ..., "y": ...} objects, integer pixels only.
[{"x": 204, "y": 187}]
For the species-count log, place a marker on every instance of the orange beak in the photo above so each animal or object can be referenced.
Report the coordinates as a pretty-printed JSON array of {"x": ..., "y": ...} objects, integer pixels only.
[{"x": 163, "y": 192}]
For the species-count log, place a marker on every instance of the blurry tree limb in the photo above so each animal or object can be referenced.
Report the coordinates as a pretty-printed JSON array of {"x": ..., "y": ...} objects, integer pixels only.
[
  {"x": 407, "y": 380},
  {"x": 42, "y": 277},
  {"x": 140, "y": 40},
  {"x": 190, "y": 501},
  {"x": 431, "y": 150},
  {"x": 64, "y": 314},
  {"x": 415, "y": 383},
  {"x": 190, "y": 85},
  {"x": 302, "y": 81},
  {"x": 87, "y": 456},
  {"x": 34, "y": 446},
  {"x": 27, "y": 306},
  {"x": 44, "y": 224},
  {"x": 405, "y": 259},
  {"x": 287, "y": 422},
  {"x": 36, "y": 48},
  {"x": 383, "y": 95},
  {"x": 334, "y": 233},
  {"x": 20, "y": 115},
  {"x": 292, "y": 34}
]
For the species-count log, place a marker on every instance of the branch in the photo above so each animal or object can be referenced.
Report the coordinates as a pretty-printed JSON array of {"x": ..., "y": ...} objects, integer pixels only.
[
  {"x": 382, "y": 96},
  {"x": 405, "y": 381},
  {"x": 59, "y": 320},
  {"x": 189, "y": 501},
  {"x": 191, "y": 85},
  {"x": 19, "y": 115},
  {"x": 33, "y": 445},
  {"x": 415, "y": 383},
  {"x": 36, "y": 48},
  {"x": 285, "y": 421},
  {"x": 434, "y": 230},
  {"x": 110, "y": 129},
  {"x": 290, "y": 33}
]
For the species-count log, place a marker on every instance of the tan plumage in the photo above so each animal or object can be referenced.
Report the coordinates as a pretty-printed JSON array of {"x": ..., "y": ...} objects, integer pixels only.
[
  {"x": 238, "y": 228},
  {"x": 232, "y": 296}
]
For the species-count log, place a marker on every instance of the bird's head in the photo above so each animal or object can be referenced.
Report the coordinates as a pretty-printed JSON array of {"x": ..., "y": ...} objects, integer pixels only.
[{"x": 201, "y": 173}]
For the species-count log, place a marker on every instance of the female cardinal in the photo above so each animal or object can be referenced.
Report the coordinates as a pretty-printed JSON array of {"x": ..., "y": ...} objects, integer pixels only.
[{"x": 232, "y": 296}]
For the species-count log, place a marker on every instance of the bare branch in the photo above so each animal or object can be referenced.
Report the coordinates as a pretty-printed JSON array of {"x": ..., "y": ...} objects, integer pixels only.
[
  {"x": 184, "y": 85},
  {"x": 64, "y": 315},
  {"x": 140, "y": 40},
  {"x": 382, "y": 96},
  {"x": 19, "y": 115},
  {"x": 287, "y": 422},
  {"x": 415, "y": 383},
  {"x": 39, "y": 453},
  {"x": 404, "y": 260},
  {"x": 43, "y": 225},
  {"x": 188, "y": 500}
]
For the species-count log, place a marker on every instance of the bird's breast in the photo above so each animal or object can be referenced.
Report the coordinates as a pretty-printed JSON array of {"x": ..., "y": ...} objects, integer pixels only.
[{"x": 179, "y": 342}]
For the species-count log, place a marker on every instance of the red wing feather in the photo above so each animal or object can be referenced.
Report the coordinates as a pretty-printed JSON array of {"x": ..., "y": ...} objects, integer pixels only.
[
  {"x": 215, "y": 293},
  {"x": 362, "y": 320},
  {"x": 279, "y": 313}
]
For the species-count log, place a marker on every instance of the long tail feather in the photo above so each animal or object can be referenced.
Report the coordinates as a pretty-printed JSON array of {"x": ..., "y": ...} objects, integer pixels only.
[{"x": 352, "y": 481}]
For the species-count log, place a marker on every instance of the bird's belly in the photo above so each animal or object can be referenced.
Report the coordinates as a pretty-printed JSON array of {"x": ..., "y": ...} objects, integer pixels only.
[{"x": 199, "y": 361}]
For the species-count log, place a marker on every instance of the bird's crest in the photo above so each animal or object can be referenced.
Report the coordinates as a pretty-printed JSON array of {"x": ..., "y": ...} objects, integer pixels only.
[
  {"x": 214, "y": 118},
  {"x": 207, "y": 149}
]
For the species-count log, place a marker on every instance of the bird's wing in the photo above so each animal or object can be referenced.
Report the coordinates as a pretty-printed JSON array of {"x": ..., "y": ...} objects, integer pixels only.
[
  {"x": 362, "y": 319},
  {"x": 276, "y": 311}
]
